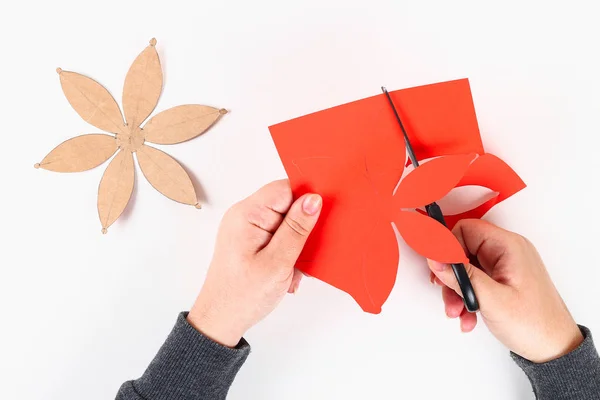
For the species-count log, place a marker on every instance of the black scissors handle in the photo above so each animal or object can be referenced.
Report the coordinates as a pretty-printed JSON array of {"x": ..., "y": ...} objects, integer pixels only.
[{"x": 460, "y": 272}]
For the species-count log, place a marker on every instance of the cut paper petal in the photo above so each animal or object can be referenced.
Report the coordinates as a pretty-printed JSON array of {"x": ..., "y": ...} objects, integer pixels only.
[
  {"x": 465, "y": 198},
  {"x": 431, "y": 181},
  {"x": 80, "y": 153},
  {"x": 115, "y": 188},
  {"x": 143, "y": 85},
  {"x": 491, "y": 172},
  {"x": 182, "y": 123},
  {"x": 91, "y": 101},
  {"x": 166, "y": 175},
  {"x": 429, "y": 238}
]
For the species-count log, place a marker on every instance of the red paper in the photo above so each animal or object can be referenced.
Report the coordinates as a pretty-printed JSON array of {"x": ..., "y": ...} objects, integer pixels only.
[
  {"x": 432, "y": 180},
  {"x": 439, "y": 119},
  {"x": 419, "y": 231},
  {"x": 354, "y": 155},
  {"x": 491, "y": 172}
]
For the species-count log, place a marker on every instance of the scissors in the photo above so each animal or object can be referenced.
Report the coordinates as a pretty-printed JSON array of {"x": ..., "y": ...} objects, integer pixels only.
[{"x": 435, "y": 212}]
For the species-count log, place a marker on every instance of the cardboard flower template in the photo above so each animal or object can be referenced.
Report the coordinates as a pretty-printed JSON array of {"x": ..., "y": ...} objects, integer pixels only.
[
  {"x": 354, "y": 156},
  {"x": 141, "y": 91}
]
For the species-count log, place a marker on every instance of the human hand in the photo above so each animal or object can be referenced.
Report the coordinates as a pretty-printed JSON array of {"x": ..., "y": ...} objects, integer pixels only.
[
  {"x": 518, "y": 301},
  {"x": 259, "y": 241}
]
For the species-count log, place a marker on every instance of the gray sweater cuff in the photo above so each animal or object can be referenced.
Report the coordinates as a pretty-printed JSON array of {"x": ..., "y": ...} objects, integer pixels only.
[
  {"x": 189, "y": 366},
  {"x": 573, "y": 376}
]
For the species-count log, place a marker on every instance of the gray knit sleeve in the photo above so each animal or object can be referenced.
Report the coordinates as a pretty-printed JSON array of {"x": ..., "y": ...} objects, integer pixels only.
[
  {"x": 188, "y": 366},
  {"x": 575, "y": 376}
]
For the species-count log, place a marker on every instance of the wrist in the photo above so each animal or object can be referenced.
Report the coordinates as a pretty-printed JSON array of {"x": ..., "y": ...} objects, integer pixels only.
[
  {"x": 573, "y": 338},
  {"x": 215, "y": 325},
  {"x": 569, "y": 339}
]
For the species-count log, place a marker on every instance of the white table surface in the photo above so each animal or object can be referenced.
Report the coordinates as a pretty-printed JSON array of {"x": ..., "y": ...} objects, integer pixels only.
[{"x": 83, "y": 312}]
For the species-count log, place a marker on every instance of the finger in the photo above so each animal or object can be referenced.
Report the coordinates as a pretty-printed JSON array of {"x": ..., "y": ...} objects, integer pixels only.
[
  {"x": 487, "y": 242},
  {"x": 289, "y": 239},
  {"x": 453, "y": 303},
  {"x": 276, "y": 195},
  {"x": 295, "y": 281},
  {"x": 468, "y": 321},
  {"x": 265, "y": 208},
  {"x": 488, "y": 291},
  {"x": 432, "y": 279}
]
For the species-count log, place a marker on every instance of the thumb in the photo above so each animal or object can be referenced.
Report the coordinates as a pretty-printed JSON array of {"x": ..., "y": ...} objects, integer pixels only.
[
  {"x": 289, "y": 239},
  {"x": 487, "y": 290}
]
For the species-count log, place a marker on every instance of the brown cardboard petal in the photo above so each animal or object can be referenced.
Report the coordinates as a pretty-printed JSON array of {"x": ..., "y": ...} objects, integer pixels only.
[
  {"x": 115, "y": 188},
  {"x": 91, "y": 101},
  {"x": 143, "y": 85},
  {"x": 166, "y": 175},
  {"x": 181, "y": 123},
  {"x": 80, "y": 153}
]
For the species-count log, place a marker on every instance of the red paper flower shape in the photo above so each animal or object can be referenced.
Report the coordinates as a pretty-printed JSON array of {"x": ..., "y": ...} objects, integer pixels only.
[{"x": 354, "y": 156}]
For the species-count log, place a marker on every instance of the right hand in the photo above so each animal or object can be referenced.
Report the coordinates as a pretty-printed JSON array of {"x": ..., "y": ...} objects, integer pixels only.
[{"x": 518, "y": 301}]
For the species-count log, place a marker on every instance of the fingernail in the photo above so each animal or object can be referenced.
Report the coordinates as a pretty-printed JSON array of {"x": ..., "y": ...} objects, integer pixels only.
[
  {"x": 312, "y": 204},
  {"x": 295, "y": 288}
]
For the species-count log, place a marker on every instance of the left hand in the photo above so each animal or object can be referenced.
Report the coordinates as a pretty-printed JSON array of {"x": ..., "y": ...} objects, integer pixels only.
[{"x": 257, "y": 246}]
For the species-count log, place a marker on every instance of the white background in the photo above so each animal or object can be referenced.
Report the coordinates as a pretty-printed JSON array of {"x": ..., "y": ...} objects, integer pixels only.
[{"x": 82, "y": 312}]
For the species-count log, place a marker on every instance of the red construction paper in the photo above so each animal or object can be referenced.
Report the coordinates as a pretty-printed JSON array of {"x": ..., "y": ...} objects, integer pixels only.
[
  {"x": 354, "y": 156},
  {"x": 439, "y": 119},
  {"x": 432, "y": 181},
  {"x": 418, "y": 231},
  {"x": 353, "y": 247},
  {"x": 491, "y": 172}
]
